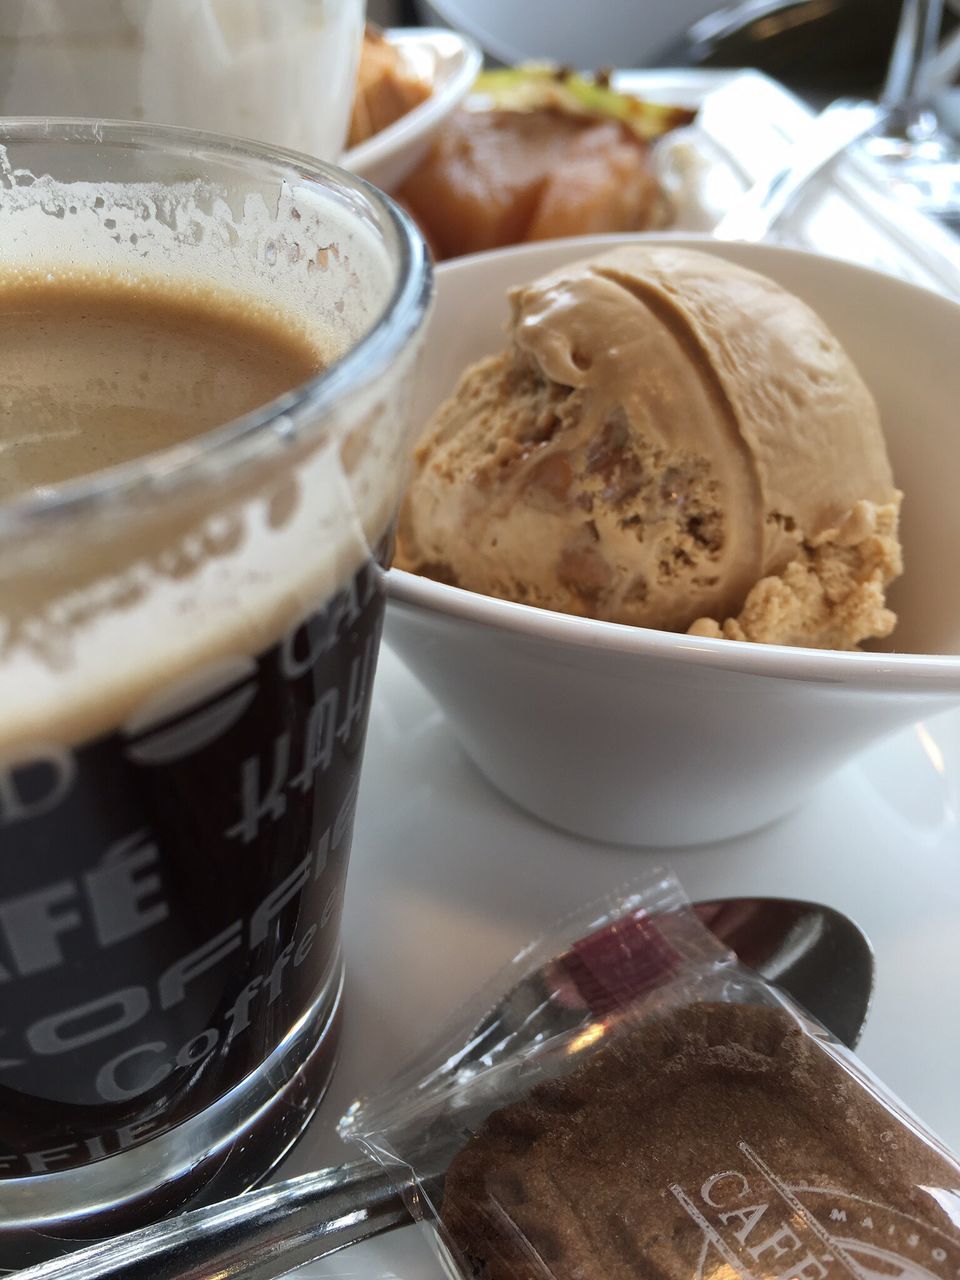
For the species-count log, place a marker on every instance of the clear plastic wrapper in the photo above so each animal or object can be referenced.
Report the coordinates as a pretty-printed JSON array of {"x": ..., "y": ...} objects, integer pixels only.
[{"x": 627, "y": 1100}]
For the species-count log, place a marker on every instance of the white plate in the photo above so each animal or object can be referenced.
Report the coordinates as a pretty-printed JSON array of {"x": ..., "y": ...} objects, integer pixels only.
[
  {"x": 448, "y": 880},
  {"x": 450, "y": 63}
]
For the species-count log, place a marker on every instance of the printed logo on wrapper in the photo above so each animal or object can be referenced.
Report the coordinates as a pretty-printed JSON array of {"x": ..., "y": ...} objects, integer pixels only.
[
  {"x": 758, "y": 1225},
  {"x": 701, "y": 1127}
]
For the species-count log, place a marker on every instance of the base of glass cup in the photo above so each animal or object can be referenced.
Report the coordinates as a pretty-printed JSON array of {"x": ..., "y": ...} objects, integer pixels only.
[{"x": 228, "y": 1148}]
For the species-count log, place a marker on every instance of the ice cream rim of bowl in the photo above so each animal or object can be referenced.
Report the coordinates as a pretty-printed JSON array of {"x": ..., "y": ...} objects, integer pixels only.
[{"x": 930, "y": 673}]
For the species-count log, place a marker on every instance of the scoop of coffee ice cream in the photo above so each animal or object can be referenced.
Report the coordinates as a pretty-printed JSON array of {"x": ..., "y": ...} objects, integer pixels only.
[{"x": 669, "y": 440}]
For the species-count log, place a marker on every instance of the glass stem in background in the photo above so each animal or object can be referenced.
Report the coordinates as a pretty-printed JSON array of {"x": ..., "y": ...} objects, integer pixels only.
[{"x": 905, "y": 91}]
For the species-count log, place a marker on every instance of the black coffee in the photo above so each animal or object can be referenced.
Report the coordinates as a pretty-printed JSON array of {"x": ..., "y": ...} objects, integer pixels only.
[{"x": 171, "y": 900}]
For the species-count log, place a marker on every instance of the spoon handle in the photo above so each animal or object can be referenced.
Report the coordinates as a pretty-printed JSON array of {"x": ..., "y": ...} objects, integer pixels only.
[{"x": 259, "y": 1235}]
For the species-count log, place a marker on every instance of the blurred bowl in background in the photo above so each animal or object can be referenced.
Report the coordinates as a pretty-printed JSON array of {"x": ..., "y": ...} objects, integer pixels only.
[
  {"x": 614, "y": 33},
  {"x": 449, "y": 62}
]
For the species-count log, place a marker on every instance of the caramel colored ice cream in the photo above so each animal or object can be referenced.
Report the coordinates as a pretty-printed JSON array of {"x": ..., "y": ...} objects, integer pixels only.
[{"x": 670, "y": 441}]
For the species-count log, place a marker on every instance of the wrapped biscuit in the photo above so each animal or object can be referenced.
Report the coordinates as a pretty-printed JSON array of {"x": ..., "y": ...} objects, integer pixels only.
[{"x": 646, "y": 1106}]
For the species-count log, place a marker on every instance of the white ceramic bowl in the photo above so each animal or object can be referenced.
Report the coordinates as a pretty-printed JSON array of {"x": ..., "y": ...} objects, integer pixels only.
[
  {"x": 648, "y": 737},
  {"x": 450, "y": 62}
]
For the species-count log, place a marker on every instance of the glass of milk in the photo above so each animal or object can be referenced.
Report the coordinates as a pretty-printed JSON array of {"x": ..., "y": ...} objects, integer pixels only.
[{"x": 275, "y": 72}]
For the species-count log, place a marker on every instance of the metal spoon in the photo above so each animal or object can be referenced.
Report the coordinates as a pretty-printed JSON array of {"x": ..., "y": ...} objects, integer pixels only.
[{"x": 812, "y": 952}]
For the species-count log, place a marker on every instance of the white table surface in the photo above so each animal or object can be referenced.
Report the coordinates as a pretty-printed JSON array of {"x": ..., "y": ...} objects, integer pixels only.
[{"x": 448, "y": 880}]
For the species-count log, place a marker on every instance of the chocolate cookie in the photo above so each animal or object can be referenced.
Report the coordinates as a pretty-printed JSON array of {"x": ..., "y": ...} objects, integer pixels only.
[{"x": 718, "y": 1139}]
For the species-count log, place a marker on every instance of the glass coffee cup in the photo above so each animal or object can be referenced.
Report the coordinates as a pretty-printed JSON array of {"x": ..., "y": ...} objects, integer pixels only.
[
  {"x": 280, "y": 73},
  {"x": 187, "y": 644}
]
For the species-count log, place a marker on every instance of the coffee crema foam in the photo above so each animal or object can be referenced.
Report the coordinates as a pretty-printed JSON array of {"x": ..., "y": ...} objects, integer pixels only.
[
  {"x": 157, "y": 591},
  {"x": 96, "y": 371}
]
